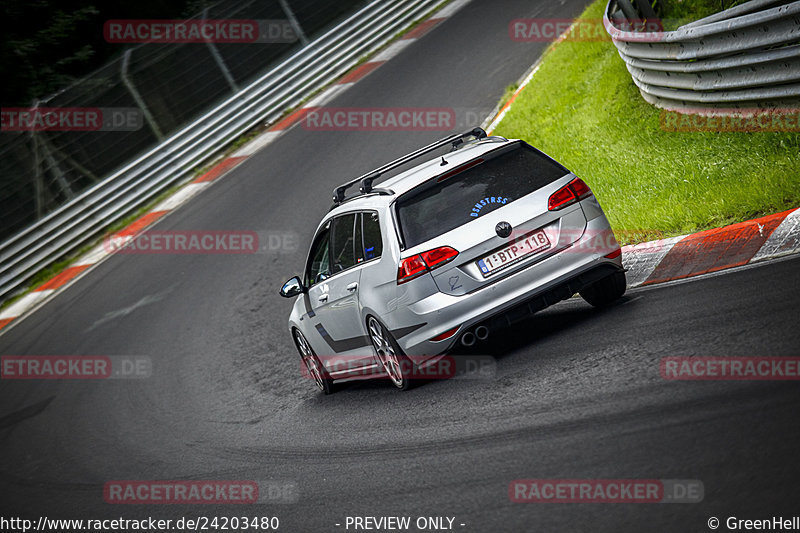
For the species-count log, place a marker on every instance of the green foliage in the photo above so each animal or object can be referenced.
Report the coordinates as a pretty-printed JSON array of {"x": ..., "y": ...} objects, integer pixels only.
[{"x": 47, "y": 44}]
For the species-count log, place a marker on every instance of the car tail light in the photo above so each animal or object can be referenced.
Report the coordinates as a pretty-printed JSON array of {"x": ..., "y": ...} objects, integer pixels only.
[
  {"x": 438, "y": 256},
  {"x": 446, "y": 335},
  {"x": 410, "y": 268},
  {"x": 416, "y": 265},
  {"x": 570, "y": 193},
  {"x": 613, "y": 255}
]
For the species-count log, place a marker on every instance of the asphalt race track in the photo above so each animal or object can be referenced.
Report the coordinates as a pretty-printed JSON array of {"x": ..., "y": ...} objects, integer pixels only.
[{"x": 577, "y": 392}]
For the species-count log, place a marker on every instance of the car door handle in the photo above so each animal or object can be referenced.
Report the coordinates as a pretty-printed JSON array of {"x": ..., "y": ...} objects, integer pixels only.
[
  {"x": 353, "y": 286},
  {"x": 323, "y": 298}
]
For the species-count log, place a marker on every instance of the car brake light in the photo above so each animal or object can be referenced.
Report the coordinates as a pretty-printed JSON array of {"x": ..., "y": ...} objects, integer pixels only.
[
  {"x": 570, "y": 193},
  {"x": 416, "y": 265}
]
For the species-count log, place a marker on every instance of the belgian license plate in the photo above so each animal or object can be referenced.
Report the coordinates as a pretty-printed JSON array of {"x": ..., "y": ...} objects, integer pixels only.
[{"x": 522, "y": 247}]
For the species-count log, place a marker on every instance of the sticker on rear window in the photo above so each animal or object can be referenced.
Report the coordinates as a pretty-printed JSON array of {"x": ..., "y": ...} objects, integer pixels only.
[{"x": 476, "y": 210}]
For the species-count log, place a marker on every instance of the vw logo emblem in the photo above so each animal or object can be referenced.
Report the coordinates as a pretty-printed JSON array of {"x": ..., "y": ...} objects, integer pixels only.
[{"x": 503, "y": 229}]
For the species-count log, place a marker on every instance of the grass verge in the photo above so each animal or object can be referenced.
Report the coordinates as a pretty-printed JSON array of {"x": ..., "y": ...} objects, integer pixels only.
[{"x": 583, "y": 109}]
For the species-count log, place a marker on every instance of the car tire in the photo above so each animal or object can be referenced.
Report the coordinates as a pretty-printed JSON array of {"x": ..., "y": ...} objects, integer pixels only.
[
  {"x": 396, "y": 364},
  {"x": 316, "y": 370},
  {"x": 605, "y": 291}
]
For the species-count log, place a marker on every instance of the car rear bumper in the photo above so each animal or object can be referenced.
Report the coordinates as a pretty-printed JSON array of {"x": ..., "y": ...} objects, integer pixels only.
[{"x": 510, "y": 299}]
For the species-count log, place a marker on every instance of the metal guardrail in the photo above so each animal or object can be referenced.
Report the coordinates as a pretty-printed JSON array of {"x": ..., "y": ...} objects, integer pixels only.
[
  {"x": 747, "y": 56},
  {"x": 173, "y": 160}
]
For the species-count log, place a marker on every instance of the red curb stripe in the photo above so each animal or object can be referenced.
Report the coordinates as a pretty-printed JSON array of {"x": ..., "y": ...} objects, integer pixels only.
[
  {"x": 4, "y": 322},
  {"x": 140, "y": 223},
  {"x": 422, "y": 28},
  {"x": 293, "y": 117},
  {"x": 61, "y": 279},
  {"x": 360, "y": 71},
  {"x": 219, "y": 169},
  {"x": 716, "y": 249}
]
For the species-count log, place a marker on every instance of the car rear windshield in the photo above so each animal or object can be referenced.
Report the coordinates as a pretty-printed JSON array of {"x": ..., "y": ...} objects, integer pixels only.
[{"x": 469, "y": 191}]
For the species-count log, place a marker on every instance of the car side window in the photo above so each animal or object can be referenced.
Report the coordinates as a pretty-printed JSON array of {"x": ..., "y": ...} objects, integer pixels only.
[
  {"x": 342, "y": 242},
  {"x": 319, "y": 264},
  {"x": 373, "y": 245}
]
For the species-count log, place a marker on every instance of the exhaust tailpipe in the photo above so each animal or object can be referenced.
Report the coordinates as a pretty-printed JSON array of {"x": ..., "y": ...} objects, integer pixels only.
[
  {"x": 468, "y": 338},
  {"x": 482, "y": 333}
]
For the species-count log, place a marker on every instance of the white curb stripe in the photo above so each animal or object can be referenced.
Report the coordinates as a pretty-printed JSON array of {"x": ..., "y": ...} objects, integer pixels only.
[
  {"x": 392, "y": 50},
  {"x": 641, "y": 259},
  {"x": 95, "y": 255},
  {"x": 449, "y": 9},
  {"x": 256, "y": 144},
  {"x": 24, "y": 303},
  {"x": 784, "y": 240},
  {"x": 327, "y": 95},
  {"x": 181, "y": 196}
]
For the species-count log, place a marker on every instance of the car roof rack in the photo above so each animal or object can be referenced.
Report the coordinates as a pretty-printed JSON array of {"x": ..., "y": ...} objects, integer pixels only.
[{"x": 366, "y": 180}]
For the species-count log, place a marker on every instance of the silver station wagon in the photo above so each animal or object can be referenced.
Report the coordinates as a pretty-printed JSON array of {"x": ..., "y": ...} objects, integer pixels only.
[{"x": 443, "y": 253}]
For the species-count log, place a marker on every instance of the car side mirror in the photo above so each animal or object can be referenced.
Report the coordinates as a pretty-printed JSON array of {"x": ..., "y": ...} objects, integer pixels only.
[{"x": 292, "y": 288}]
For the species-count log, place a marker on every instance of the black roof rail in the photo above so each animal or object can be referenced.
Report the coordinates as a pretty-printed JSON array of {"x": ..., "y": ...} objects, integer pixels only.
[{"x": 367, "y": 179}]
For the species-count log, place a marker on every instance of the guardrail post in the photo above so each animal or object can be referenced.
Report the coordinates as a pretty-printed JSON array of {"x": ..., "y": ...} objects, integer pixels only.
[
  {"x": 293, "y": 21},
  {"x": 50, "y": 165},
  {"x": 137, "y": 97},
  {"x": 226, "y": 73}
]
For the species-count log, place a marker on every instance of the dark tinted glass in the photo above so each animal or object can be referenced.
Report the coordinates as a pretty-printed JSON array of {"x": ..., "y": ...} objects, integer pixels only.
[
  {"x": 319, "y": 266},
  {"x": 359, "y": 242},
  {"x": 435, "y": 207},
  {"x": 342, "y": 245}
]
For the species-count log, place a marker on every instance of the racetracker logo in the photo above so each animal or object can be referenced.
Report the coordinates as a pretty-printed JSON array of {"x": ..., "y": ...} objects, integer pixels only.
[
  {"x": 580, "y": 241},
  {"x": 606, "y": 491},
  {"x": 183, "y": 242},
  {"x": 379, "y": 119},
  {"x": 730, "y": 368},
  {"x": 74, "y": 367},
  {"x": 199, "y": 31},
  {"x": 181, "y": 492},
  {"x": 237, "y": 492},
  {"x": 70, "y": 119},
  {"x": 578, "y": 30},
  {"x": 412, "y": 367},
  {"x": 731, "y": 120}
]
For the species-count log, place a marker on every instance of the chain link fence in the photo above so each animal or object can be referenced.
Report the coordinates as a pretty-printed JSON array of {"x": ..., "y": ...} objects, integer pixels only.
[{"x": 145, "y": 95}]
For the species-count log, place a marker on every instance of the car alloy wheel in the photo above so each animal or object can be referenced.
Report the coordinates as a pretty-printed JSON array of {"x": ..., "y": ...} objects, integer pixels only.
[{"x": 387, "y": 353}]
